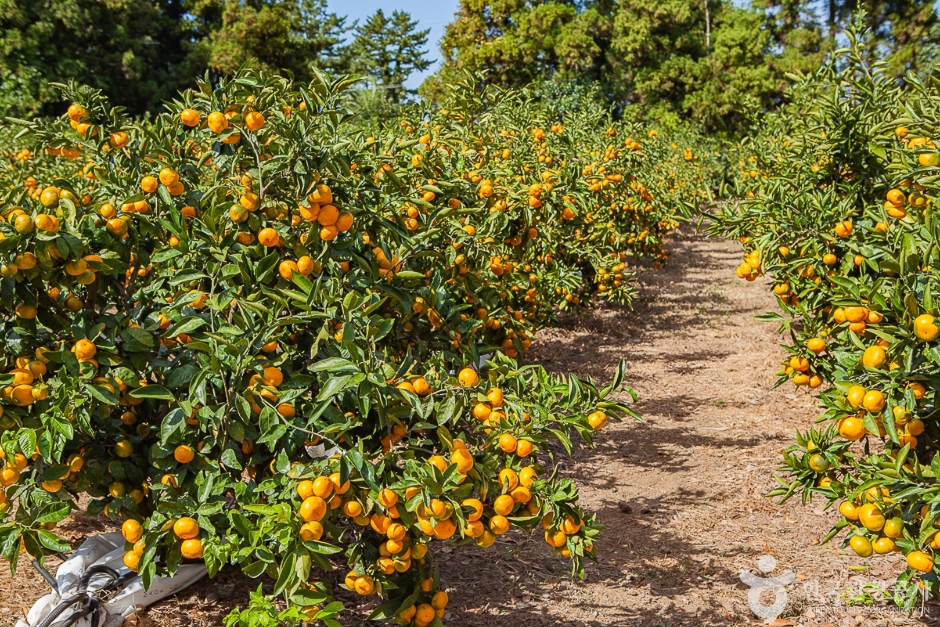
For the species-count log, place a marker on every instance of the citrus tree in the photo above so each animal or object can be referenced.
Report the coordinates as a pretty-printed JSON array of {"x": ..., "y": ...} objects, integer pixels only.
[
  {"x": 263, "y": 335},
  {"x": 837, "y": 205}
]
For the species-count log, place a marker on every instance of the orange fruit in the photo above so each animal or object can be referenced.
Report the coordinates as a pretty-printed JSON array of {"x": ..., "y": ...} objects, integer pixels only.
[
  {"x": 123, "y": 448},
  {"x": 9, "y": 476},
  {"x": 468, "y": 377},
  {"x": 192, "y": 549},
  {"x": 508, "y": 478},
  {"x": 816, "y": 344},
  {"x": 504, "y": 504},
  {"x": 871, "y": 517},
  {"x": 920, "y": 561},
  {"x": 131, "y": 530},
  {"x": 849, "y": 510},
  {"x": 495, "y": 397},
  {"x": 507, "y": 443},
  {"x": 856, "y": 395},
  {"x": 131, "y": 560},
  {"x": 186, "y": 528},
  {"x": 272, "y": 376},
  {"x": 874, "y": 401},
  {"x": 874, "y": 357},
  {"x": 425, "y": 614},
  {"x": 486, "y": 540},
  {"x": 925, "y": 329},
  {"x": 169, "y": 177},
  {"x": 329, "y": 233},
  {"x": 498, "y": 525},
  {"x": 476, "y": 506},
  {"x": 313, "y": 508},
  {"x": 305, "y": 489},
  {"x": 463, "y": 459},
  {"x": 527, "y": 475},
  {"x": 893, "y": 528},
  {"x": 364, "y": 585},
  {"x": 556, "y": 538},
  {"x": 344, "y": 221},
  {"x": 521, "y": 494},
  {"x": 217, "y": 122},
  {"x": 439, "y": 600},
  {"x": 445, "y": 529},
  {"x": 254, "y": 120},
  {"x": 322, "y": 487},
  {"x": 387, "y": 498},
  {"x": 421, "y": 386},
  {"x": 269, "y": 237},
  {"x": 597, "y": 420},
  {"x": 861, "y": 545},
  {"x": 190, "y": 117},
  {"x": 148, "y": 184},
  {"x": 851, "y": 428},
  {"x": 818, "y": 463},
  {"x": 287, "y": 268},
  {"x": 311, "y": 531},
  {"x": 340, "y": 488},
  {"x": 352, "y": 509},
  {"x": 328, "y": 215},
  {"x": 52, "y": 485},
  {"x": 396, "y": 532},
  {"x": 184, "y": 454}
]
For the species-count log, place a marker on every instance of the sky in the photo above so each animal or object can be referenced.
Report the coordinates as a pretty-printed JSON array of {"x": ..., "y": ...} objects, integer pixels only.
[{"x": 433, "y": 14}]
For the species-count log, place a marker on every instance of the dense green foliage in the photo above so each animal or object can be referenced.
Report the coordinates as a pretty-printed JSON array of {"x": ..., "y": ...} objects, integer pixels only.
[
  {"x": 676, "y": 58},
  {"x": 142, "y": 53}
]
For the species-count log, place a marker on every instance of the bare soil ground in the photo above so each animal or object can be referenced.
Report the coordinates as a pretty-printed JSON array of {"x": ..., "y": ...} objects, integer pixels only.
[{"x": 681, "y": 493}]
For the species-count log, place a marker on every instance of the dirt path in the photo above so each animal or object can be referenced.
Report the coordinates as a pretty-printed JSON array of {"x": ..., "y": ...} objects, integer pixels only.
[{"x": 681, "y": 493}]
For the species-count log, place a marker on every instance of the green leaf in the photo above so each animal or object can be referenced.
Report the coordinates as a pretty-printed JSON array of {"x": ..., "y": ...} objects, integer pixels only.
[
  {"x": 187, "y": 276},
  {"x": 230, "y": 459},
  {"x": 157, "y": 392},
  {"x": 335, "y": 365},
  {"x": 53, "y": 542},
  {"x": 173, "y": 424},
  {"x": 101, "y": 394},
  {"x": 185, "y": 325},
  {"x": 179, "y": 377},
  {"x": 53, "y": 513},
  {"x": 137, "y": 340}
]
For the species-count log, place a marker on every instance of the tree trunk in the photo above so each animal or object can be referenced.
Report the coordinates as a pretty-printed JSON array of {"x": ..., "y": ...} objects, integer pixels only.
[
  {"x": 832, "y": 19},
  {"x": 708, "y": 30}
]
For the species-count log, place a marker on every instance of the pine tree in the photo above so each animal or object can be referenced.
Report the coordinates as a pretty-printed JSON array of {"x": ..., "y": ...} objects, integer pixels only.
[{"x": 390, "y": 50}]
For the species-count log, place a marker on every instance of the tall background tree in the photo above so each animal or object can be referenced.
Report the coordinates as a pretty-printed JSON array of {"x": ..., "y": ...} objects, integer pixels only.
[
  {"x": 390, "y": 49},
  {"x": 678, "y": 59},
  {"x": 132, "y": 49},
  {"x": 292, "y": 35},
  {"x": 140, "y": 52}
]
